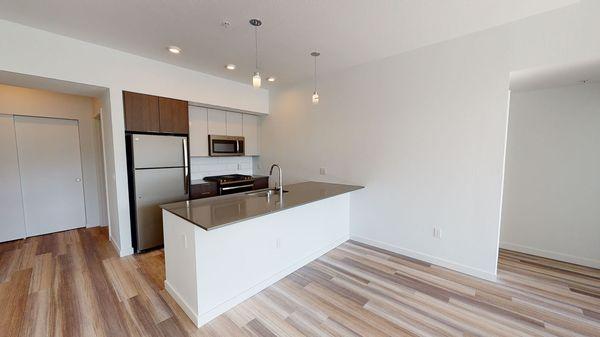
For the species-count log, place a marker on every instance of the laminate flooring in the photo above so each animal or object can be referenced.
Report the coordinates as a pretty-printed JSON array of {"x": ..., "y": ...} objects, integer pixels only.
[{"x": 74, "y": 284}]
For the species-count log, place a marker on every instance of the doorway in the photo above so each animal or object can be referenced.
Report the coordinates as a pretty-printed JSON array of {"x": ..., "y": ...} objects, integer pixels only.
[
  {"x": 51, "y": 156},
  {"x": 550, "y": 207}
]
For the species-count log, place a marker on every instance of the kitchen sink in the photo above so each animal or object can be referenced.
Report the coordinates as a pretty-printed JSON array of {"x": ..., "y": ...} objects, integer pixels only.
[{"x": 264, "y": 193}]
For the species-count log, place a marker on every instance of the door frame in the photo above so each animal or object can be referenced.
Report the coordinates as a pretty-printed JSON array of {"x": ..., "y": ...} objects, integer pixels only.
[{"x": 85, "y": 215}]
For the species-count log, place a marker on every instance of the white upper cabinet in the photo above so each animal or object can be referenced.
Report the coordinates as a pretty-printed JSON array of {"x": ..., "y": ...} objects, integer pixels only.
[
  {"x": 217, "y": 122},
  {"x": 206, "y": 121},
  {"x": 198, "y": 131},
  {"x": 250, "y": 132},
  {"x": 234, "y": 124}
]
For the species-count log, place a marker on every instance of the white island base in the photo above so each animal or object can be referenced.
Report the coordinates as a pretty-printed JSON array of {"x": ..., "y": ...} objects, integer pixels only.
[{"x": 209, "y": 272}]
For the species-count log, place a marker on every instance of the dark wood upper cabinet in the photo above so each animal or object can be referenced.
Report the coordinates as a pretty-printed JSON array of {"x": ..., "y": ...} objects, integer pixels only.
[
  {"x": 147, "y": 113},
  {"x": 141, "y": 112},
  {"x": 173, "y": 115}
]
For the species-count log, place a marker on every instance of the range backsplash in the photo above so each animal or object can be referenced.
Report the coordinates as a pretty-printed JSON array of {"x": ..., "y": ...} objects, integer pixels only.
[{"x": 212, "y": 166}]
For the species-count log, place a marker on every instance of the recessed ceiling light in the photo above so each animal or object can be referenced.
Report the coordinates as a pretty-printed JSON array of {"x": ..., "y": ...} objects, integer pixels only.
[
  {"x": 271, "y": 79},
  {"x": 231, "y": 66},
  {"x": 174, "y": 49}
]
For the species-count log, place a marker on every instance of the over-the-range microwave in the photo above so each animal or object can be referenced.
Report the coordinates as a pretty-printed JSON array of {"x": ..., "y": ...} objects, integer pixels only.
[{"x": 222, "y": 146}]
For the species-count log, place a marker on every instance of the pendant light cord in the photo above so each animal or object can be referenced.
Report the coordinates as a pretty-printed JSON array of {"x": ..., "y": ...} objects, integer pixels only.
[
  {"x": 315, "y": 73},
  {"x": 256, "y": 45}
]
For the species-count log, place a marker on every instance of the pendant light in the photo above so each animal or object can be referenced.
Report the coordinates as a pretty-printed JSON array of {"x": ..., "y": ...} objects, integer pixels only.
[
  {"x": 256, "y": 77},
  {"x": 315, "y": 96}
]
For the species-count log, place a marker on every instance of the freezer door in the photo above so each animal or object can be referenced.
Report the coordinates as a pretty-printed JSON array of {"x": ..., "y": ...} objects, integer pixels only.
[
  {"x": 155, "y": 187},
  {"x": 159, "y": 151}
]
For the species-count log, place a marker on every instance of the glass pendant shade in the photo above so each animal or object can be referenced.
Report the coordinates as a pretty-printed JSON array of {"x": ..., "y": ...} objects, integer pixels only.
[
  {"x": 315, "y": 98},
  {"x": 315, "y": 95},
  {"x": 256, "y": 80}
]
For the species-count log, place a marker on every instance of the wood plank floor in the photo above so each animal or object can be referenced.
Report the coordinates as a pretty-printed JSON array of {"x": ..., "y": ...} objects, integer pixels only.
[{"x": 73, "y": 284}]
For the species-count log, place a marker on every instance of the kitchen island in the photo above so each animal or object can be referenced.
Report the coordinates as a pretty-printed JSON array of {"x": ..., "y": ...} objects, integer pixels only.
[{"x": 220, "y": 251}]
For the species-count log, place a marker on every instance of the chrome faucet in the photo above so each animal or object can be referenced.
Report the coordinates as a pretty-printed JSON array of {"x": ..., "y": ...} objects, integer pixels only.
[{"x": 280, "y": 188}]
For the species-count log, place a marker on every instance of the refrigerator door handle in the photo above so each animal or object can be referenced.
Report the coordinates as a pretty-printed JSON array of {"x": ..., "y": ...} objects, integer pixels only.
[{"x": 185, "y": 166}]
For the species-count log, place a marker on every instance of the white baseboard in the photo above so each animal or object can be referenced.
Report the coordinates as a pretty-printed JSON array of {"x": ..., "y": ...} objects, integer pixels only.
[
  {"x": 583, "y": 261},
  {"x": 209, "y": 315},
  {"x": 428, "y": 258},
  {"x": 122, "y": 252},
  {"x": 192, "y": 314},
  {"x": 115, "y": 244},
  {"x": 92, "y": 225},
  {"x": 126, "y": 251}
]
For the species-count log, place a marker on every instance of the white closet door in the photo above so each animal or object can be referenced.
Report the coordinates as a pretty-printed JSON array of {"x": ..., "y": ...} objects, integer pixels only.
[
  {"x": 12, "y": 224},
  {"x": 51, "y": 178}
]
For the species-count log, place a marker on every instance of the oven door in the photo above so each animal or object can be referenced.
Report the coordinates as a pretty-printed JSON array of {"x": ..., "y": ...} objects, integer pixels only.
[
  {"x": 220, "y": 146},
  {"x": 237, "y": 188}
]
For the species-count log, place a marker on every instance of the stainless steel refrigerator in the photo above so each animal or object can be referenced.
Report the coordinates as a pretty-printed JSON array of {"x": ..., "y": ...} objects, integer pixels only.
[{"x": 158, "y": 173}]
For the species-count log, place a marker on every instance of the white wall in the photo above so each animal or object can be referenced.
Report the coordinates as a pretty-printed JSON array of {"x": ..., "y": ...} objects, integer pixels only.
[
  {"x": 424, "y": 131},
  {"x": 552, "y": 186},
  {"x": 211, "y": 166},
  {"x": 40, "y": 103},
  {"x": 36, "y": 52}
]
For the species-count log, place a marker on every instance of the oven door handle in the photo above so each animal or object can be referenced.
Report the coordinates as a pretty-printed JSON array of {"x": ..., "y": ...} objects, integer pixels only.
[{"x": 236, "y": 187}]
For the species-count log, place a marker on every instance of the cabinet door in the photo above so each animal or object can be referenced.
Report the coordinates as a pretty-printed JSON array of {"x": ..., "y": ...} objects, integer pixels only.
[
  {"x": 204, "y": 190},
  {"x": 141, "y": 112},
  {"x": 173, "y": 115},
  {"x": 217, "y": 122},
  {"x": 234, "y": 124},
  {"x": 198, "y": 131},
  {"x": 250, "y": 126}
]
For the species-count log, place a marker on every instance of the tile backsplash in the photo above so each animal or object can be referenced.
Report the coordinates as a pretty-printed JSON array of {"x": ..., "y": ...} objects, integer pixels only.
[{"x": 211, "y": 166}]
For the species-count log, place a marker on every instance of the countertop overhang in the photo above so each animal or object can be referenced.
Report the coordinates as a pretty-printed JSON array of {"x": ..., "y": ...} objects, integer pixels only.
[{"x": 216, "y": 212}]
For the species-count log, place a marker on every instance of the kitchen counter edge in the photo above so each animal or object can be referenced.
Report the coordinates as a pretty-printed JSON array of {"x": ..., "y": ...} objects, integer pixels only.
[{"x": 181, "y": 205}]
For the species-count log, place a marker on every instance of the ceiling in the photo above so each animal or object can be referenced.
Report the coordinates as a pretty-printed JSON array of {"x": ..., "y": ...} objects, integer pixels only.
[
  {"x": 581, "y": 72},
  {"x": 346, "y": 32}
]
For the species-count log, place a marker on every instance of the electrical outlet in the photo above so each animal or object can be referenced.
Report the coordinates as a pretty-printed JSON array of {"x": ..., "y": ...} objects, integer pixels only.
[
  {"x": 322, "y": 171},
  {"x": 437, "y": 232},
  {"x": 278, "y": 243}
]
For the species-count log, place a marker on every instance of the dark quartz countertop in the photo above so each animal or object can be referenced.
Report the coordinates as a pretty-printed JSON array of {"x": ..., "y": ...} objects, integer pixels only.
[{"x": 215, "y": 212}]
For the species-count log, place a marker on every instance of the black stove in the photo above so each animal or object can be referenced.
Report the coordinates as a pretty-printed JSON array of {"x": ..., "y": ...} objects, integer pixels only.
[
  {"x": 232, "y": 183},
  {"x": 230, "y": 179}
]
